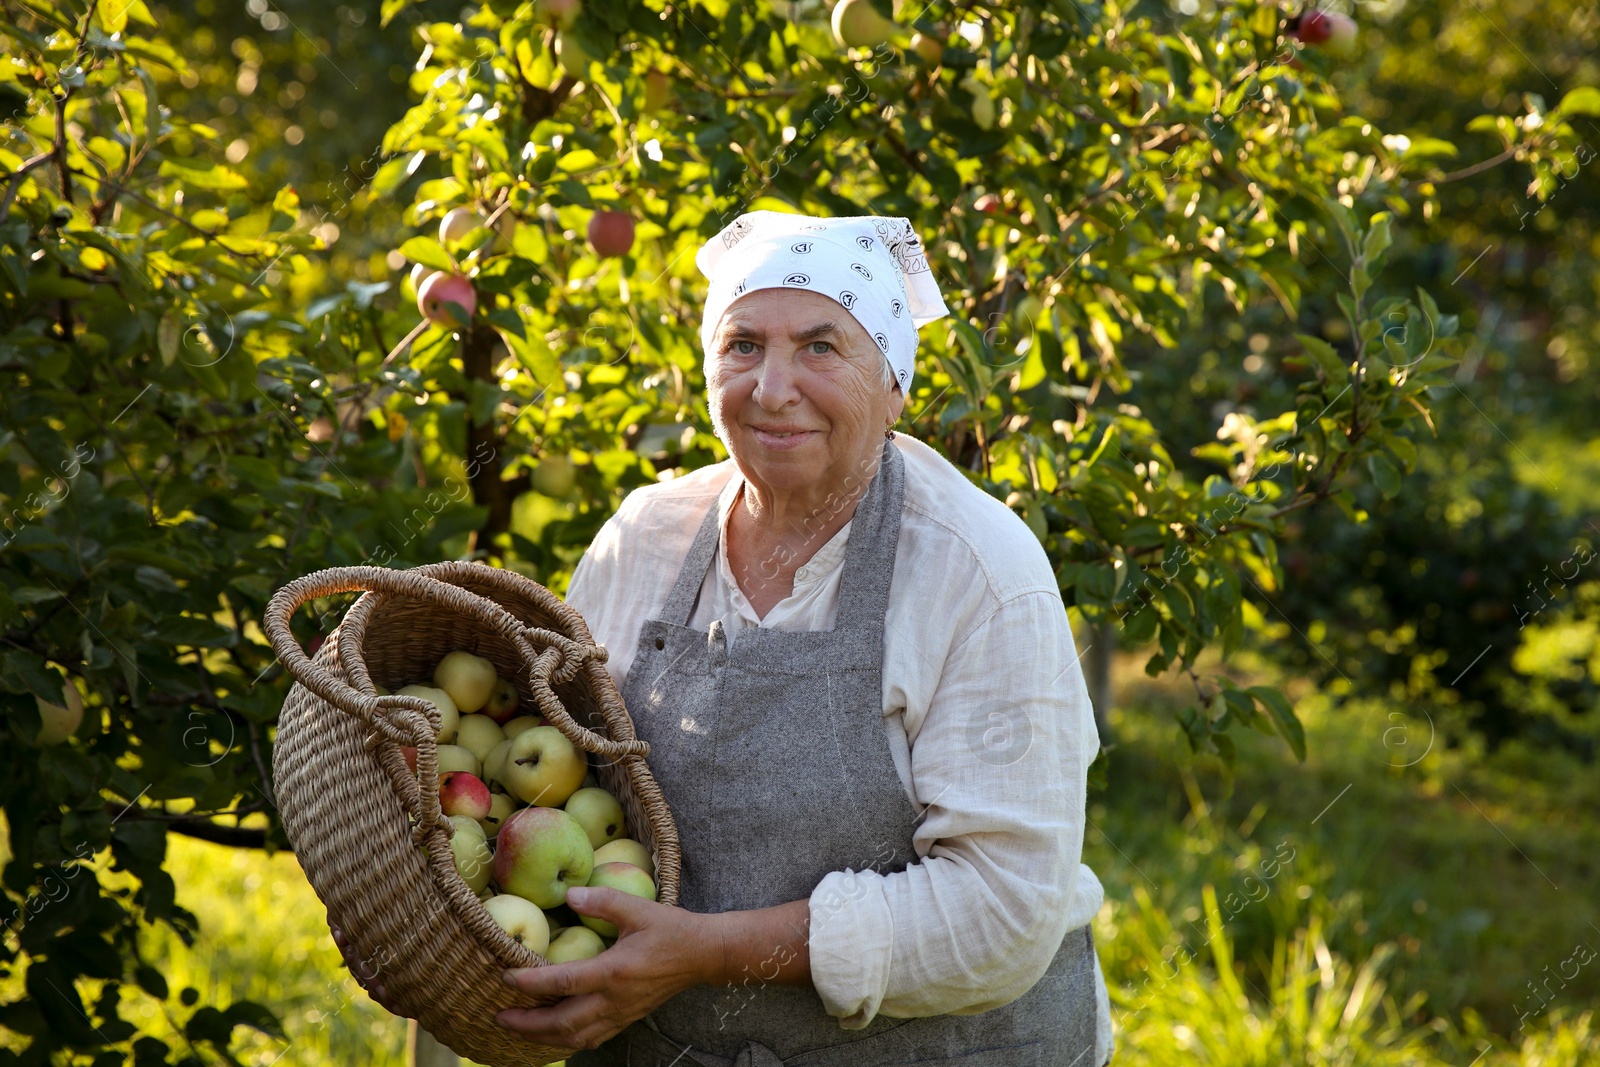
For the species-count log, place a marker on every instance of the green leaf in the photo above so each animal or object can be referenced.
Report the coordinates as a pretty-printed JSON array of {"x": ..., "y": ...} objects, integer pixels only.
[
  {"x": 202, "y": 174},
  {"x": 1584, "y": 100},
  {"x": 1377, "y": 241},
  {"x": 1283, "y": 717},
  {"x": 1333, "y": 366},
  {"x": 1384, "y": 474},
  {"x": 427, "y": 251}
]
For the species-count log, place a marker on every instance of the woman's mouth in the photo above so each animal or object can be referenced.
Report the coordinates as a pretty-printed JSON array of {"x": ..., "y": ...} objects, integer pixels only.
[{"x": 781, "y": 439}]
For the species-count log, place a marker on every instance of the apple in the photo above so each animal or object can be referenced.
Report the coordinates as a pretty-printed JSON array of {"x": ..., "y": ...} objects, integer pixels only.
[
  {"x": 857, "y": 24},
  {"x": 500, "y": 809},
  {"x": 555, "y": 477},
  {"x": 626, "y": 850},
  {"x": 453, "y": 759},
  {"x": 439, "y": 292},
  {"x": 473, "y": 859},
  {"x": 1341, "y": 34},
  {"x": 543, "y": 767},
  {"x": 478, "y": 734},
  {"x": 449, "y": 717},
  {"x": 624, "y": 877},
  {"x": 60, "y": 721},
  {"x": 467, "y": 678},
  {"x": 574, "y": 943},
  {"x": 611, "y": 233},
  {"x": 521, "y": 919},
  {"x": 541, "y": 853},
  {"x": 494, "y": 764},
  {"x": 572, "y": 56},
  {"x": 927, "y": 47},
  {"x": 502, "y": 703},
  {"x": 562, "y": 12},
  {"x": 457, "y": 223},
  {"x": 988, "y": 204},
  {"x": 982, "y": 103},
  {"x": 657, "y": 90},
  {"x": 420, "y": 274},
  {"x": 410, "y": 753},
  {"x": 461, "y": 793},
  {"x": 522, "y": 724},
  {"x": 599, "y": 813}
]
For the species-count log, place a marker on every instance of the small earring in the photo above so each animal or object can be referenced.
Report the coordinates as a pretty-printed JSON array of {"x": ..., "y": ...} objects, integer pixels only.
[{"x": 888, "y": 435}]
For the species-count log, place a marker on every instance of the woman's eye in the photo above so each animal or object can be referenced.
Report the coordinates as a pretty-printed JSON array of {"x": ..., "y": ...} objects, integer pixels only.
[
  {"x": 821, "y": 348},
  {"x": 744, "y": 348}
]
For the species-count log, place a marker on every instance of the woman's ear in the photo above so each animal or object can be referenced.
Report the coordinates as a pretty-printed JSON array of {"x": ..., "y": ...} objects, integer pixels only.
[{"x": 897, "y": 403}]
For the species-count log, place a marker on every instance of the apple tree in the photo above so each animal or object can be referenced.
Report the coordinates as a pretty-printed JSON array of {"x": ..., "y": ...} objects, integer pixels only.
[{"x": 197, "y": 408}]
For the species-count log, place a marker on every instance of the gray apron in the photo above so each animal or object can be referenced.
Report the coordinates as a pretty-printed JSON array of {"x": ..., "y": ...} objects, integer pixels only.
[{"x": 770, "y": 751}]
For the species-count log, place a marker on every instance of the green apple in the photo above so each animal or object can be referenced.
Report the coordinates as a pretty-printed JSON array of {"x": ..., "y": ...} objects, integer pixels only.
[
  {"x": 626, "y": 850},
  {"x": 449, "y": 714},
  {"x": 623, "y": 877},
  {"x": 467, "y": 678},
  {"x": 60, "y": 722},
  {"x": 500, "y": 809},
  {"x": 456, "y": 758},
  {"x": 494, "y": 764},
  {"x": 474, "y": 861},
  {"x": 572, "y": 56},
  {"x": 983, "y": 111},
  {"x": 540, "y": 854},
  {"x": 542, "y": 767},
  {"x": 857, "y": 24},
  {"x": 599, "y": 813},
  {"x": 574, "y": 943},
  {"x": 930, "y": 49},
  {"x": 522, "y": 920},
  {"x": 457, "y": 223},
  {"x": 522, "y": 723},
  {"x": 502, "y": 702},
  {"x": 478, "y": 734}
]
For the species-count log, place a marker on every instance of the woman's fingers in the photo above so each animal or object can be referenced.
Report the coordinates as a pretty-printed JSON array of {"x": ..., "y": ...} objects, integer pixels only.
[{"x": 579, "y": 1022}]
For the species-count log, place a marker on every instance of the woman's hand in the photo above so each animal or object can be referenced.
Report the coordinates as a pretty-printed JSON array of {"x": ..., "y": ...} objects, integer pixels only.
[{"x": 660, "y": 951}]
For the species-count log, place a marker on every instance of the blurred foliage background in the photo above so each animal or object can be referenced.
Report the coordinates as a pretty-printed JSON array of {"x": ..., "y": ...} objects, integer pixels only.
[{"x": 1194, "y": 268}]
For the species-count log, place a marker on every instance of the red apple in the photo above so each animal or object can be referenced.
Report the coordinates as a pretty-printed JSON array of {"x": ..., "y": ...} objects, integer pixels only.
[
  {"x": 410, "y": 753},
  {"x": 461, "y": 793},
  {"x": 988, "y": 204},
  {"x": 611, "y": 233},
  {"x": 1313, "y": 27},
  {"x": 442, "y": 290}
]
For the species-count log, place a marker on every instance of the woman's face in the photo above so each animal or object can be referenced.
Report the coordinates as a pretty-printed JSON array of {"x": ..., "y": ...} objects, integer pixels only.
[{"x": 796, "y": 390}]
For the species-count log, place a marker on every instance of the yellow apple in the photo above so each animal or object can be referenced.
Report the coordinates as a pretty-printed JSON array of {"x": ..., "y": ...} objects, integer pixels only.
[
  {"x": 456, "y": 758},
  {"x": 857, "y": 24},
  {"x": 522, "y": 919},
  {"x": 623, "y": 877},
  {"x": 542, "y": 767},
  {"x": 626, "y": 850},
  {"x": 449, "y": 717},
  {"x": 60, "y": 722},
  {"x": 478, "y": 734},
  {"x": 574, "y": 943},
  {"x": 599, "y": 813},
  {"x": 467, "y": 678}
]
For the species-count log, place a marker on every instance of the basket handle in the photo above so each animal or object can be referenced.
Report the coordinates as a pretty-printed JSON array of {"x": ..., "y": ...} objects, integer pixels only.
[{"x": 412, "y": 720}]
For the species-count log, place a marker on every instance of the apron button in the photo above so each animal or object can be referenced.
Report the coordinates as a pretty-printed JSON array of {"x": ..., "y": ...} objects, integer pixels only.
[{"x": 660, "y": 644}]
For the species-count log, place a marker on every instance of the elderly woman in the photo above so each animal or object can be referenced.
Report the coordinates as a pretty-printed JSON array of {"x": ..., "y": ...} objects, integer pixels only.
[{"x": 864, "y": 707}]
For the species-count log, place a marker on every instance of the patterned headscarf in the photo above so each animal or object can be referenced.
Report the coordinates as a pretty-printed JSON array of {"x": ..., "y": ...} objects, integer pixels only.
[{"x": 874, "y": 266}]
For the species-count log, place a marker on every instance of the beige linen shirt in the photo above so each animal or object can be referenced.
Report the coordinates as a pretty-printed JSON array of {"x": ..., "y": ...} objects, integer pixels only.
[{"x": 988, "y": 721}]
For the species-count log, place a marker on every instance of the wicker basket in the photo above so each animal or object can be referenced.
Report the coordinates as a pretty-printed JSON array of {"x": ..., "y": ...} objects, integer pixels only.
[{"x": 370, "y": 835}]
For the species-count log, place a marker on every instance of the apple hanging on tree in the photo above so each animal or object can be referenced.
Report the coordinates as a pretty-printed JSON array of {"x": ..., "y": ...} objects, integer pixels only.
[
  {"x": 1335, "y": 32},
  {"x": 857, "y": 24},
  {"x": 611, "y": 233},
  {"x": 447, "y": 299}
]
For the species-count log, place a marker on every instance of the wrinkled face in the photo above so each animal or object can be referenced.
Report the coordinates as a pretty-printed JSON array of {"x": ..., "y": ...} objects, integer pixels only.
[{"x": 796, "y": 390}]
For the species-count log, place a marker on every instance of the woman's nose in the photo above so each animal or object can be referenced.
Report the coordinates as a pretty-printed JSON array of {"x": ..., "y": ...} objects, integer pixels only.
[{"x": 776, "y": 382}]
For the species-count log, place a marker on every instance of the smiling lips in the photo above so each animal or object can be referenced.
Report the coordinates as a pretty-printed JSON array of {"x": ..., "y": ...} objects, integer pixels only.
[{"x": 781, "y": 438}]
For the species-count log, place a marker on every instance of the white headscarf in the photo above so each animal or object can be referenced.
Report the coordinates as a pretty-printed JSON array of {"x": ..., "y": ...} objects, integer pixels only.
[{"x": 871, "y": 264}]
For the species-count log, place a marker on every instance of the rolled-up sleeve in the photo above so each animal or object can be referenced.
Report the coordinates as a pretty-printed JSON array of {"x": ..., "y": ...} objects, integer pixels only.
[{"x": 998, "y": 761}]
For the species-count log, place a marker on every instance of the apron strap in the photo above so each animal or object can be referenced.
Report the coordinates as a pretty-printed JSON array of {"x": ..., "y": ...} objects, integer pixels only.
[{"x": 864, "y": 585}]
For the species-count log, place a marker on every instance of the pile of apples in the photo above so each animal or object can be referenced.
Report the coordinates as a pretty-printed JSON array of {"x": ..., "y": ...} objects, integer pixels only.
[{"x": 530, "y": 820}]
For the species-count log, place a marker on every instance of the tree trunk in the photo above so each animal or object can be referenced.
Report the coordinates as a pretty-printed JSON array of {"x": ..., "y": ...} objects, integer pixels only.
[
  {"x": 485, "y": 464},
  {"x": 1097, "y": 651},
  {"x": 423, "y": 1051}
]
